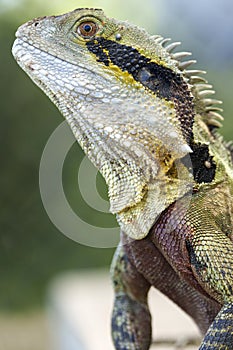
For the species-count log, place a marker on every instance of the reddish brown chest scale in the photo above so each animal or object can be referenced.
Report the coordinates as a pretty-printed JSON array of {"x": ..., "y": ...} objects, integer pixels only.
[{"x": 171, "y": 235}]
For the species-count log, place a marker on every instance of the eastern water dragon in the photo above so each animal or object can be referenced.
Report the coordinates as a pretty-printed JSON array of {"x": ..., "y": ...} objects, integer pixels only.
[{"x": 148, "y": 123}]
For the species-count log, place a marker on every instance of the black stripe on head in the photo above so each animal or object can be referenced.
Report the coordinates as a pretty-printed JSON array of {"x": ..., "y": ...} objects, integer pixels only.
[{"x": 159, "y": 79}]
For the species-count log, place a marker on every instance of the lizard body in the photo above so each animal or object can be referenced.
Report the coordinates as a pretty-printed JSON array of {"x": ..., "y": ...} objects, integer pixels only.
[{"x": 146, "y": 121}]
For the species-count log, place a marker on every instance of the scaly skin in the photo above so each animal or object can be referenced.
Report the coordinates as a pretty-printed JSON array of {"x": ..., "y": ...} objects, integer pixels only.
[{"x": 145, "y": 121}]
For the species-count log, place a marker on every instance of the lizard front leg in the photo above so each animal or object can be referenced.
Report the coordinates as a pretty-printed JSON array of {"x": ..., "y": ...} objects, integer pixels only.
[
  {"x": 151, "y": 263},
  {"x": 211, "y": 257},
  {"x": 220, "y": 333},
  {"x": 131, "y": 320}
]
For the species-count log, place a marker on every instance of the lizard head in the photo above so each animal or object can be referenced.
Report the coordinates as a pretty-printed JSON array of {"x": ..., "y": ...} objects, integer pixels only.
[{"x": 127, "y": 100}]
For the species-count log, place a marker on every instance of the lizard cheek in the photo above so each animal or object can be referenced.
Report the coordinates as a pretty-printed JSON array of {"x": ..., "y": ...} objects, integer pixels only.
[
  {"x": 148, "y": 80},
  {"x": 144, "y": 75}
]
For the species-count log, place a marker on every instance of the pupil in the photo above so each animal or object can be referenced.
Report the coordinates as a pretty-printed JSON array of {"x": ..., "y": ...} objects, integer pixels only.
[{"x": 87, "y": 28}]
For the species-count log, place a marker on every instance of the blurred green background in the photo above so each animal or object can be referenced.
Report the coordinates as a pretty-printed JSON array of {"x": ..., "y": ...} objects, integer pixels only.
[{"x": 32, "y": 250}]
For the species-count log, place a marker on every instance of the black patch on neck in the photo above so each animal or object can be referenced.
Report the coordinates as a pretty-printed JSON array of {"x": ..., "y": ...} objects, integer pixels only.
[
  {"x": 203, "y": 166},
  {"x": 157, "y": 78}
]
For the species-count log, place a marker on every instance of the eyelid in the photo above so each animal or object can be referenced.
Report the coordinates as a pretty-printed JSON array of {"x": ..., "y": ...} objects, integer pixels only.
[
  {"x": 88, "y": 19},
  {"x": 99, "y": 23}
]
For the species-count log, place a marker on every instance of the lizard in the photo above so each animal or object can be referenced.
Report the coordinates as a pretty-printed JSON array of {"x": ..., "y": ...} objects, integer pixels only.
[{"x": 147, "y": 121}]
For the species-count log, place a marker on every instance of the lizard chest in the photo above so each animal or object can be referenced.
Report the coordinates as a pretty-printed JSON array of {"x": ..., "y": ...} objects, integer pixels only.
[
  {"x": 170, "y": 233},
  {"x": 188, "y": 220}
]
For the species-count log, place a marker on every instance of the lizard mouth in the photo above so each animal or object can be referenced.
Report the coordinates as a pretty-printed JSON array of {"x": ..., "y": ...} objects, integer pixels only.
[
  {"x": 25, "y": 54},
  {"x": 22, "y": 48}
]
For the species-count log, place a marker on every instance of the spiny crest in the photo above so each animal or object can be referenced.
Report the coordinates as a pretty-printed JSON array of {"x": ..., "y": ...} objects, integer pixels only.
[
  {"x": 205, "y": 105},
  {"x": 229, "y": 147}
]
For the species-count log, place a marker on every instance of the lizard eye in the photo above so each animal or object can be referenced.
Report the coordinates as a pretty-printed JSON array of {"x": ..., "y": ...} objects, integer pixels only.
[{"x": 87, "y": 29}]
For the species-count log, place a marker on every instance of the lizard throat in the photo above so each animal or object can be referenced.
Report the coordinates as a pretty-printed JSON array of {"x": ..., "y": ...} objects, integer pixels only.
[{"x": 157, "y": 78}]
